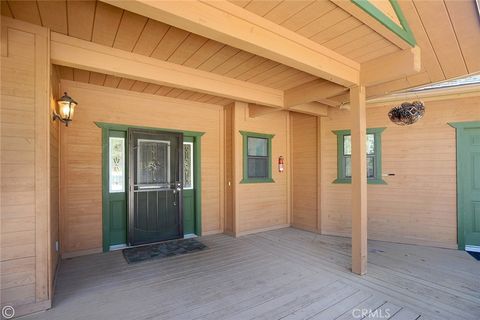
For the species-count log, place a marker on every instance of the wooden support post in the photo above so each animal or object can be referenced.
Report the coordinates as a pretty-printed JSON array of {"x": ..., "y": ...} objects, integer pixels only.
[{"x": 359, "y": 180}]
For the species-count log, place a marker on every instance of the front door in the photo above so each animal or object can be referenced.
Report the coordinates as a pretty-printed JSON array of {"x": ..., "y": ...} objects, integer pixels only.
[
  {"x": 156, "y": 183},
  {"x": 468, "y": 162}
]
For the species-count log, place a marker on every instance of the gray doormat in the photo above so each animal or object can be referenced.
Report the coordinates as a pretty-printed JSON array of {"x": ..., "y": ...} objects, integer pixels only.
[{"x": 162, "y": 250}]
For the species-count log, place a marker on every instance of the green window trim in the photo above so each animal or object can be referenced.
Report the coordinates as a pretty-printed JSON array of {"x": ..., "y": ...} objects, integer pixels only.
[
  {"x": 106, "y": 128},
  {"x": 246, "y": 135},
  {"x": 403, "y": 31},
  {"x": 340, "y": 158}
]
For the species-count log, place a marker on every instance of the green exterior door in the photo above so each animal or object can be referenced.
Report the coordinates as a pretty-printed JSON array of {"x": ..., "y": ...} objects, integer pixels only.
[
  {"x": 468, "y": 184},
  {"x": 156, "y": 186},
  {"x": 188, "y": 186},
  {"x": 115, "y": 184}
]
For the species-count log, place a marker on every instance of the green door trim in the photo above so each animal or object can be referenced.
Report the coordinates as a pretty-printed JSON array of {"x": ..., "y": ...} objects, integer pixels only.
[
  {"x": 459, "y": 126},
  {"x": 106, "y": 127}
]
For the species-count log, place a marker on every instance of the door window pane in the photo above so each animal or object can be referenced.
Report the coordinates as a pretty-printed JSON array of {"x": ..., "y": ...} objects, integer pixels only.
[
  {"x": 153, "y": 164},
  {"x": 348, "y": 167},
  {"x": 347, "y": 145},
  {"x": 370, "y": 167},
  {"x": 257, "y": 147},
  {"x": 370, "y": 143},
  {"x": 117, "y": 165},
  {"x": 187, "y": 165}
]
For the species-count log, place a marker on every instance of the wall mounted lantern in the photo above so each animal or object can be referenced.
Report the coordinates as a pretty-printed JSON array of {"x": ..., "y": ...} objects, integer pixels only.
[{"x": 66, "y": 108}]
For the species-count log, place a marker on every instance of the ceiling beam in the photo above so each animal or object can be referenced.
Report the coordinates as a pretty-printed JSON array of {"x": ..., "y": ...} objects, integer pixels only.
[
  {"x": 230, "y": 24},
  {"x": 313, "y": 108},
  {"x": 330, "y": 102},
  {"x": 392, "y": 66},
  {"x": 255, "y": 110},
  {"x": 387, "y": 88},
  {"x": 312, "y": 91},
  {"x": 76, "y": 53}
]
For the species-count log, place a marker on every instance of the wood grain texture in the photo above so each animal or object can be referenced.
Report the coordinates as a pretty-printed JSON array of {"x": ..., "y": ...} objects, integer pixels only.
[
  {"x": 443, "y": 37},
  {"x": 107, "y": 25},
  {"x": 358, "y": 136},
  {"x": 25, "y": 168},
  {"x": 54, "y": 177},
  {"x": 261, "y": 205},
  {"x": 418, "y": 205},
  {"x": 443, "y": 49},
  {"x": 281, "y": 274},
  {"x": 85, "y": 55},
  {"x": 227, "y": 23},
  {"x": 305, "y": 214},
  {"x": 229, "y": 170},
  {"x": 81, "y": 154},
  {"x": 466, "y": 25}
]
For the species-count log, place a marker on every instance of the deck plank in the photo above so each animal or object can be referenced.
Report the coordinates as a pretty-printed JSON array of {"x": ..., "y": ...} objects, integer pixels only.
[{"x": 279, "y": 274}]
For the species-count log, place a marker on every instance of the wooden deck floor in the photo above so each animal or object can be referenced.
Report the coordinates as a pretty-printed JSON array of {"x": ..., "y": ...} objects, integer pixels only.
[{"x": 281, "y": 274}]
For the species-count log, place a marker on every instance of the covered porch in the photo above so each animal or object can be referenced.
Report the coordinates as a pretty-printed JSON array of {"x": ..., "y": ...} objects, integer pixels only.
[
  {"x": 285, "y": 273},
  {"x": 241, "y": 122}
]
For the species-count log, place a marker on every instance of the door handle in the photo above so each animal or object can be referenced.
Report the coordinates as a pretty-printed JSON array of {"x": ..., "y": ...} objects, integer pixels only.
[
  {"x": 177, "y": 189},
  {"x": 178, "y": 186}
]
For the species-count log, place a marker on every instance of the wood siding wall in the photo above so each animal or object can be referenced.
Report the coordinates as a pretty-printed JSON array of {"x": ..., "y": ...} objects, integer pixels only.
[
  {"x": 25, "y": 117},
  {"x": 229, "y": 171},
  {"x": 261, "y": 206},
  {"x": 305, "y": 166},
  {"x": 418, "y": 205},
  {"x": 54, "y": 175},
  {"x": 81, "y": 155}
]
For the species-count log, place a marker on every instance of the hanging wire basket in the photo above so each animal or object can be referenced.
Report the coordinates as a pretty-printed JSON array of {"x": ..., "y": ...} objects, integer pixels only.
[{"x": 407, "y": 113}]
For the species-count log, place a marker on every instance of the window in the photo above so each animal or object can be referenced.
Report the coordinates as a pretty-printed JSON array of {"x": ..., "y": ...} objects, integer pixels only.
[
  {"x": 116, "y": 164},
  {"x": 374, "y": 156},
  {"x": 153, "y": 162},
  {"x": 257, "y": 157},
  {"x": 187, "y": 165}
]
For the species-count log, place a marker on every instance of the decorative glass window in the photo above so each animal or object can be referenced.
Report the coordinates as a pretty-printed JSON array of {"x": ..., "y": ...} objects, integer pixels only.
[
  {"x": 188, "y": 165},
  {"x": 117, "y": 164},
  {"x": 374, "y": 156},
  {"x": 257, "y": 157},
  {"x": 153, "y": 162}
]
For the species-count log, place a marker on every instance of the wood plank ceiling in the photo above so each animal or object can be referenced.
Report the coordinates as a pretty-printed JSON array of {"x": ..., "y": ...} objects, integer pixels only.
[
  {"x": 448, "y": 33},
  {"x": 110, "y": 26}
]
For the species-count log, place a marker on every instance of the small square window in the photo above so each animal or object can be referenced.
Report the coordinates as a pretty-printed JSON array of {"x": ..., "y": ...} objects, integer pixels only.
[
  {"x": 257, "y": 157},
  {"x": 257, "y": 147}
]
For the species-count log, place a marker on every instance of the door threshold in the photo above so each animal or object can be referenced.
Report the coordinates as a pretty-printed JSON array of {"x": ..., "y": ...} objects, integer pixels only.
[
  {"x": 118, "y": 247},
  {"x": 472, "y": 248},
  {"x": 189, "y": 236}
]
